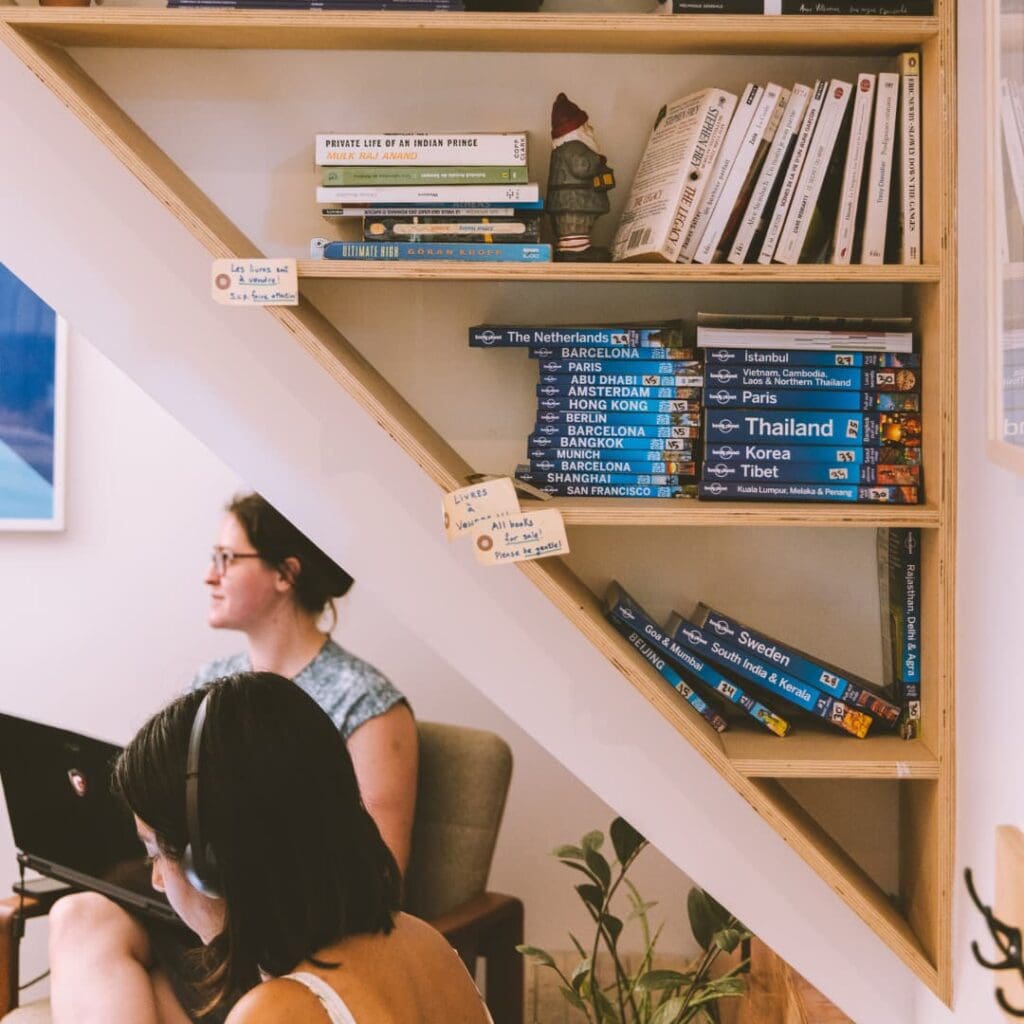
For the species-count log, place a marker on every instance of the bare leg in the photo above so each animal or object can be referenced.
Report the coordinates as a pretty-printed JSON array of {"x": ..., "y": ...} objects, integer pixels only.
[{"x": 100, "y": 961}]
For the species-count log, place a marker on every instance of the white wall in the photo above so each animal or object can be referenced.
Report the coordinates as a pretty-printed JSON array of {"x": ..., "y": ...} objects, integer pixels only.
[{"x": 106, "y": 621}]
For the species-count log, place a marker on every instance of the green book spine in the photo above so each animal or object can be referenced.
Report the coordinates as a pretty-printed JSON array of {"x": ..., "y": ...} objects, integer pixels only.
[{"x": 412, "y": 175}]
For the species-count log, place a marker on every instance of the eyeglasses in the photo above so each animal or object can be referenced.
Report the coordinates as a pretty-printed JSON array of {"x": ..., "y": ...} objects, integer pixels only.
[{"x": 221, "y": 558}]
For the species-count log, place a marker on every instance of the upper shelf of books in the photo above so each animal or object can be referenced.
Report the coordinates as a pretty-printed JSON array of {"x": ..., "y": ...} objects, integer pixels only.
[{"x": 447, "y": 30}]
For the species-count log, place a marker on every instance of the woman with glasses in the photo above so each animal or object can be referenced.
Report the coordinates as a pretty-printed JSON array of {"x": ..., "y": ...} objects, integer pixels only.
[{"x": 268, "y": 581}]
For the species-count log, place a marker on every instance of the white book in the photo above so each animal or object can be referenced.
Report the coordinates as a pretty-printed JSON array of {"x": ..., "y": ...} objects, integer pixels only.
[
  {"x": 796, "y": 163},
  {"x": 752, "y": 153},
  {"x": 883, "y": 141},
  {"x": 334, "y": 212},
  {"x": 461, "y": 149},
  {"x": 744, "y": 114},
  {"x": 668, "y": 183},
  {"x": 808, "y": 341},
  {"x": 781, "y": 148},
  {"x": 853, "y": 172},
  {"x": 426, "y": 195},
  {"x": 910, "y": 157},
  {"x": 798, "y": 220}
]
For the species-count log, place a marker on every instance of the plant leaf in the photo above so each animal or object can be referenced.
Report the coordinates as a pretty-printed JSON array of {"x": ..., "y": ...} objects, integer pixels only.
[
  {"x": 654, "y": 981},
  {"x": 592, "y": 840},
  {"x": 727, "y": 939},
  {"x": 568, "y": 852},
  {"x": 579, "y": 975},
  {"x": 537, "y": 954},
  {"x": 721, "y": 915},
  {"x": 625, "y": 839},
  {"x": 592, "y": 896},
  {"x": 599, "y": 868},
  {"x": 580, "y": 867},
  {"x": 702, "y": 919},
  {"x": 613, "y": 926},
  {"x": 573, "y": 998},
  {"x": 579, "y": 945},
  {"x": 669, "y": 1011}
]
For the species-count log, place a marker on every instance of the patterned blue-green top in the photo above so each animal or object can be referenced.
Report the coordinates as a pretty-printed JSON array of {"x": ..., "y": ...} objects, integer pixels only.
[{"x": 349, "y": 689}]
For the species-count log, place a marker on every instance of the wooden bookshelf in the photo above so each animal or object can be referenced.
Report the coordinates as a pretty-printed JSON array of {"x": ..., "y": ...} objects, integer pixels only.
[{"x": 919, "y": 929}]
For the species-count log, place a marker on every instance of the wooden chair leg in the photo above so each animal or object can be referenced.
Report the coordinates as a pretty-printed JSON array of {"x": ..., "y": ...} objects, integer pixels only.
[{"x": 504, "y": 966}]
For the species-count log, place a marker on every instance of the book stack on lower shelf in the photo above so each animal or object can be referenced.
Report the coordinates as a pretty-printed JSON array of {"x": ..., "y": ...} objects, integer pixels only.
[
  {"x": 461, "y": 197},
  {"x": 730, "y": 673},
  {"x": 618, "y": 408},
  {"x": 811, "y": 409}
]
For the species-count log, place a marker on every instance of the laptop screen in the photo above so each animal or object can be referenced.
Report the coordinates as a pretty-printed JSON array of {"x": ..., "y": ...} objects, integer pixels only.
[{"x": 65, "y": 820}]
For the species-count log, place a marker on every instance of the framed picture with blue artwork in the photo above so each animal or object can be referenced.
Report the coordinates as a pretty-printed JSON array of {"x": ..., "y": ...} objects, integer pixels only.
[{"x": 33, "y": 372}]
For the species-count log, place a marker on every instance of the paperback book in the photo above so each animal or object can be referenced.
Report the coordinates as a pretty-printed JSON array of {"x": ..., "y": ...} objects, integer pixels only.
[
  {"x": 850, "y": 493},
  {"x": 884, "y": 474},
  {"x": 429, "y": 148},
  {"x": 468, "y": 252},
  {"x": 636, "y": 335}
]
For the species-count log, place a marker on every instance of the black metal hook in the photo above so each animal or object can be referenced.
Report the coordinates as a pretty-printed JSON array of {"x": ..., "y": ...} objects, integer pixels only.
[{"x": 1006, "y": 937}]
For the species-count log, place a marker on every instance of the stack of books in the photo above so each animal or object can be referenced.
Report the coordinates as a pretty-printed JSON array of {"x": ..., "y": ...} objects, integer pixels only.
[
  {"x": 618, "y": 408},
  {"x": 798, "y": 175},
  {"x": 431, "y": 196},
  {"x": 872, "y": 8},
  {"x": 710, "y": 656},
  {"x": 810, "y": 409}
]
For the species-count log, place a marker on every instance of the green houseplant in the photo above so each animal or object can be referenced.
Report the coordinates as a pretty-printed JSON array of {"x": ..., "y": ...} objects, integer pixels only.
[{"x": 644, "y": 995}]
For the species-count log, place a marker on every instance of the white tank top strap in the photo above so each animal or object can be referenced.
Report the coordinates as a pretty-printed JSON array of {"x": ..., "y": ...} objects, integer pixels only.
[{"x": 337, "y": 1011}]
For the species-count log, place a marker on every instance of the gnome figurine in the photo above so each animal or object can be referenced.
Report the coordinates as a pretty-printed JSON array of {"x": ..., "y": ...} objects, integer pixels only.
[{"x": 578, "y": 182}]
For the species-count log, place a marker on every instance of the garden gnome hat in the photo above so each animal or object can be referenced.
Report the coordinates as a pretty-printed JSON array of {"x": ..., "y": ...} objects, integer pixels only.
[{"x": 565, "y": 116}]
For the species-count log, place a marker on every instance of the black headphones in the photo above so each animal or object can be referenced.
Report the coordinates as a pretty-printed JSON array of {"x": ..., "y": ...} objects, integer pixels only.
[{"x": 198, "y": 861}]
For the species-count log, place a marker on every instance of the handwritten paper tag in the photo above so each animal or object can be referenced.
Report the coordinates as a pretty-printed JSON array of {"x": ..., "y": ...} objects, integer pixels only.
[
  {"x": 255, "y": 282},
  {"x": 468, "y": 507},
  {"x": 520, "y": 537}
]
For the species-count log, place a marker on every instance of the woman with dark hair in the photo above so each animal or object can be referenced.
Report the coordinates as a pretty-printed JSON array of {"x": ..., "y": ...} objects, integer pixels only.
[
  {"x": 270, "y": 582},
  {"x": 247, "y": 802}
]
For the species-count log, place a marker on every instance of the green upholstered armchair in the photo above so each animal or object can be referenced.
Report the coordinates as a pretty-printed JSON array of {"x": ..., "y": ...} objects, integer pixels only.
[{"x": 463, "y": 781}]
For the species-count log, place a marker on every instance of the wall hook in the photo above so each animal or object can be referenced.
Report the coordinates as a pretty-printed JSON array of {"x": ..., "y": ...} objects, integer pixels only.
[{"x": 1006, "y": 937}]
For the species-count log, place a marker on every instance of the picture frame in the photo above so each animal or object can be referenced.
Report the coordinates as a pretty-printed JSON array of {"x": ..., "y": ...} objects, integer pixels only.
[
  {"x": 1004, "y": 104},
  {"x": 33, "y": 409}
]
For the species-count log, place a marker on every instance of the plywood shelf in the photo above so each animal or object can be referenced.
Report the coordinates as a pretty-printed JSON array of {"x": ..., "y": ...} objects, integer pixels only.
[
  {"x": 813, "y": 754},
  {"x": 517, "y": 33},
  {"x": 399, "y": 270},
  {"x": 690, "y": 512}
]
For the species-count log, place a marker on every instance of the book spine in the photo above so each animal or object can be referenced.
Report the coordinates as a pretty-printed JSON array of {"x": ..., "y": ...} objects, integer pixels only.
[
  {"x": 411, "y": 194},
  {"x": 540, "y": 478},
  {"x": 563, "y": 381},
  {"x": 801, "y": 357},
  {"x": 611, "y": 491},
  {"x": 805, "y": 198},
  {"x": 752, "y": 670},
  {"x": 792, "y": 398},
  {"x": 796, "y": 663},
  {"x": 882, "y": 551},
  {"x": 852, "y": 493},
  {"x": 905, "y": 588},
  {"x": 495, "y": 336},
  {"x": 554, "y": 397},
  {"x": 850, "y": 190},
  {"x": 421, "y": 175},
  {"x": 793, "y": 172},
  {"x": 468, "y": 252},
  {"x": 601, "y": 403},
  {"x": 672, "y": 419},
  {"x": 636, "y": 430},
  {"x": 811, "y": 377},
  {"x": 746, "y": 108},
  {"x": 391, "y": 148},
  {"x": 716, "y": 6},
  {"x": 633, "y": 370},
  {"x": 624, "y": 444},
  {"x": 813, "y": 427},
  {"x": 765, "y": 190},
  {"x": 724, "y": 221},
  {"x": 625, "y": 613},
  {"x": 614, "y": 464},
  {"x": 910, "y": 158},
  {"x": 674, "y": 679},
  {"x": 872, "y": 8},
  {"x": 444, "y": 210},
  {"x": 883, "y": 142},
  {"x": 625, "y": 354},
  {"x": 613, "y": 456},
  {"x": 885, "y": 474},
  {"x": 437, "y": 229},
  {"x": 897, "y": 455},
  {"x": 825, "y": 340}
]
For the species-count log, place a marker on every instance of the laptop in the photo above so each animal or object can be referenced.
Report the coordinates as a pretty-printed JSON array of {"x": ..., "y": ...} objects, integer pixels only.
[{"x": 67, "y": 824}]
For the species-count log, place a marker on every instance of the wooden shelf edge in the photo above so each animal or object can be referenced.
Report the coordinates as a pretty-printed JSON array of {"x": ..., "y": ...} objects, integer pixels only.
[
  {"x": 404, "y": 270},
  {"x": 447, "y": 30},
  {"x": 691, "y": 512},
  {"x": 816, "y": 755}
]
